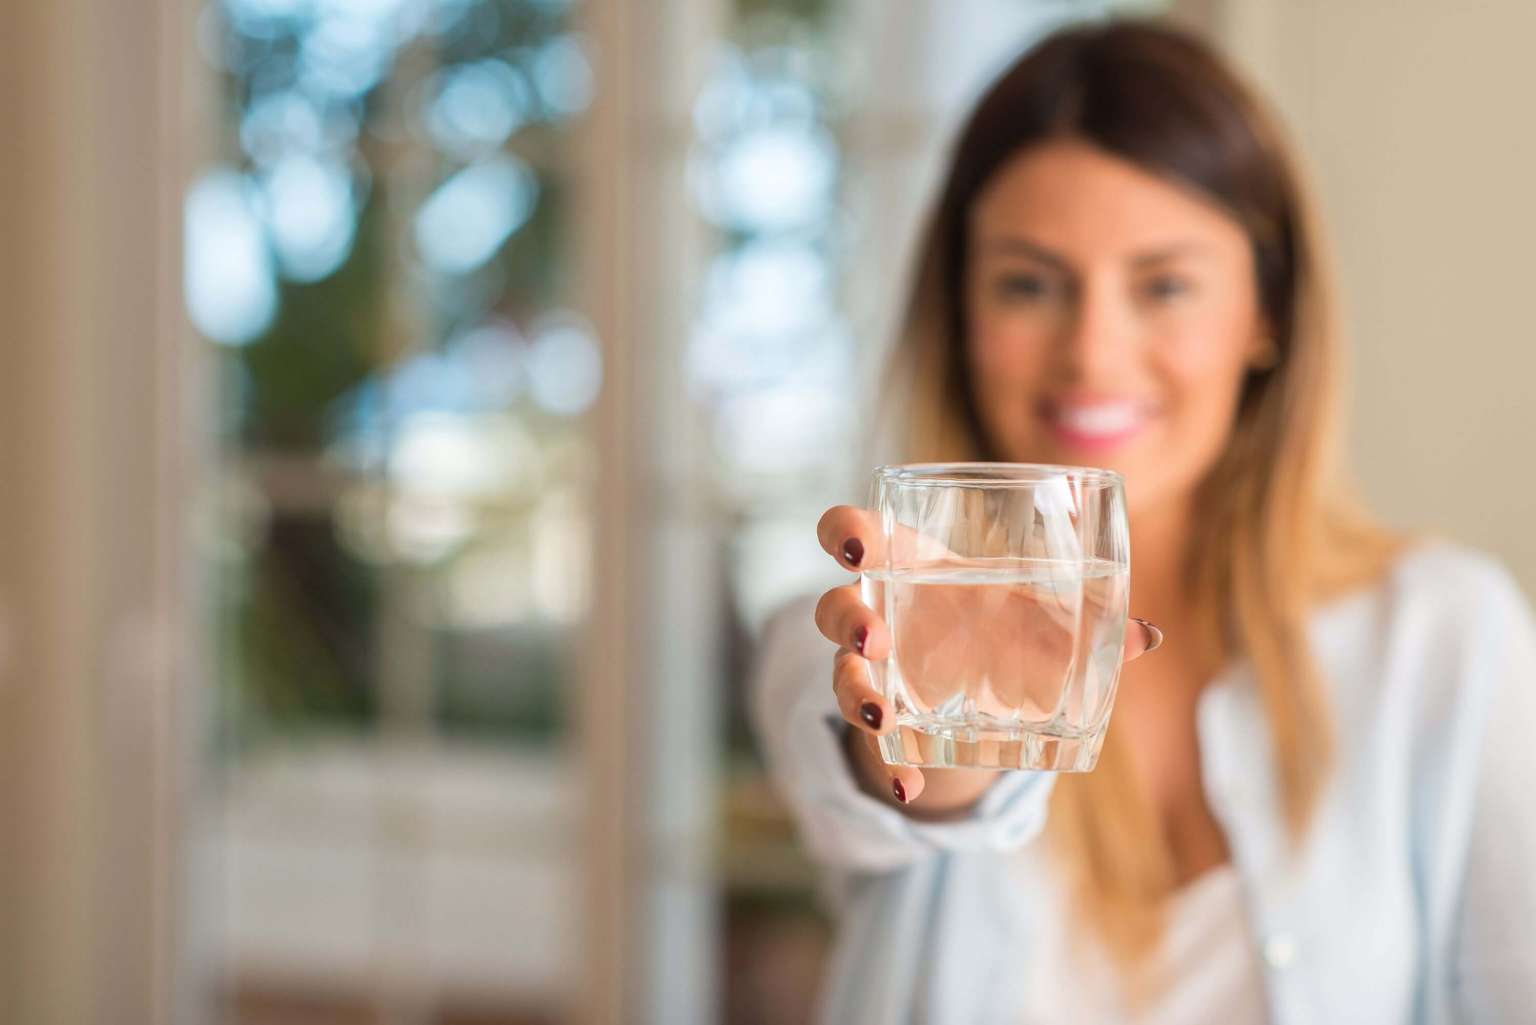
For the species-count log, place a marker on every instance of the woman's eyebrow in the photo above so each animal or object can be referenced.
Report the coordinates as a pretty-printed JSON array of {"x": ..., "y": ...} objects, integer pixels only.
[
  {"x": 1017, "y": 245},
  {"x": 1172, "y": 251}
]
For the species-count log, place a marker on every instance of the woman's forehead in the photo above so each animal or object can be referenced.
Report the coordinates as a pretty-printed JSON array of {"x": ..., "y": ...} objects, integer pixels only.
[{"x": 1069, "y": 196}]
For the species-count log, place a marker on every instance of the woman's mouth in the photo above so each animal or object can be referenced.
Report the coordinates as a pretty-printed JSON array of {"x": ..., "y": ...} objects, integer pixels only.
[{"x": 1093, "y": 425}]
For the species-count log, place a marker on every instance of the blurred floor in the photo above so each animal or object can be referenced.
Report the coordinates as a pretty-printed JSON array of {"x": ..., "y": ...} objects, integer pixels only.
[
  {"x": 440, "y": 872},
  {"x": 252, "y": 1005},
  {"x": 773, "y": 967}
]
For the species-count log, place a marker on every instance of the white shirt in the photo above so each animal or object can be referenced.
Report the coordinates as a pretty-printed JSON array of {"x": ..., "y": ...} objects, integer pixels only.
[
  {"x": 1211, "y": 969},
  {"x": 1412, "y": 900}
]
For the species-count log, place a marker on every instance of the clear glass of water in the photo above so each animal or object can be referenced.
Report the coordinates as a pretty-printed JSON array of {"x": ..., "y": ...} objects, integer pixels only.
[{"x": 1005, "y": 587}]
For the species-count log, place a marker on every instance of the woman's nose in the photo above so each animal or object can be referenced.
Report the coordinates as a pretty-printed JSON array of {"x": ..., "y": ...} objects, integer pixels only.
[{"x": 1098, "y": 332}]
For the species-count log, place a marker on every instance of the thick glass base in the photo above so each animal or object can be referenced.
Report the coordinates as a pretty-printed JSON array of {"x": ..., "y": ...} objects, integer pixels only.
[{"x": 948, "y": 746}]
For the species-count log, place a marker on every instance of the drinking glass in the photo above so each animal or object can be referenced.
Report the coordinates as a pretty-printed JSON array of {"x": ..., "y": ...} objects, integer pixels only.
[{"x": 1005, "y": 587}]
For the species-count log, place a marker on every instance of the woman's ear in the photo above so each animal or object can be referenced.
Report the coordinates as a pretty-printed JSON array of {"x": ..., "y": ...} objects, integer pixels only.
[{"x": 1264, "y": 351}]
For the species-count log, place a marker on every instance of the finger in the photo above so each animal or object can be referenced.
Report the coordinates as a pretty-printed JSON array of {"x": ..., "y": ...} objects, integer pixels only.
[
  {"x": 870, "y": 714},
  {"x": 851, "y": 535},
  {"x": 844, "y": 619},
  {"x": 854, "y": 537},
  {"x": 858, "y": 701},
  {"x": 1140, "y": 641},
  {"x": 906, "y": 781}
]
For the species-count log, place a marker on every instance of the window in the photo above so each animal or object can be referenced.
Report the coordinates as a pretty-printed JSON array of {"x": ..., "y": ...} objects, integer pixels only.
[{"x": 378, "y": 254}]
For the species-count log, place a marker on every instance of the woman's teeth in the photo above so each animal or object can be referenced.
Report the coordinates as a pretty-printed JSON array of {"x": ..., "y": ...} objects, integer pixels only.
[{"x": 1099, "y": 419}]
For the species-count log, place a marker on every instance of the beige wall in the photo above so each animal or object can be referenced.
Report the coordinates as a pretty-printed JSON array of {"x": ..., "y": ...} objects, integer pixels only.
[
  {"x": 93, "y": 452},
  {"x": 1416, "y": 117}
]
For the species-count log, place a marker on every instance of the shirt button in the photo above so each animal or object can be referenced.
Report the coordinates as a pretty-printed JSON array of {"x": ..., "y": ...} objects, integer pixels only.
[{"x": 1279, "y": 950}]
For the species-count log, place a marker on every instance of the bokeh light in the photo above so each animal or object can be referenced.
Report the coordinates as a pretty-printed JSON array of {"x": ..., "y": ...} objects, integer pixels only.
[
  {"x": 565, "y": 367},
  {"x": 564, "y": 76},
  {"x": 477, "y": 106},
  {"x": 466, "y": 220},
  {"x": 230, "y": 292},
  {"x": 773, "y": 178},
  {"x": 767, "y": 309},
  {"x": 310, "y": 214}
]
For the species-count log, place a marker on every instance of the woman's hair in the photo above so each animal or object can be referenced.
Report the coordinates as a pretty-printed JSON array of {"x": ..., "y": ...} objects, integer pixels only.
[{"x": 1277, "y": 532}]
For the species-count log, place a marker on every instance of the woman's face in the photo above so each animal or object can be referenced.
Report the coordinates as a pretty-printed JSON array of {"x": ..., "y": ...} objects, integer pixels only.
[{"x": 1112, "y": 316}]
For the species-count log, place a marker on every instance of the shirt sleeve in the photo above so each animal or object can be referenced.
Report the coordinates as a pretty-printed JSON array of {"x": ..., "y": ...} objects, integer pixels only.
[
  {"x": 1496, "y": 957},
  {"x": 800, "y": 734}
]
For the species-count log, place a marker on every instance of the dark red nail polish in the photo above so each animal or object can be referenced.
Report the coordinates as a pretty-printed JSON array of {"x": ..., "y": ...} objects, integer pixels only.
[
  {"x": 899, "y": 790},
  {"x": 860, "y": 636},
  {"x": 853, "y": 551},
  {"x": 870, "y": 713}
]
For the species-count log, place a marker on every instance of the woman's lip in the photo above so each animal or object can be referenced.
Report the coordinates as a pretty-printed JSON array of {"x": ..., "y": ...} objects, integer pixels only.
[{"x": 1091, "y": 442}]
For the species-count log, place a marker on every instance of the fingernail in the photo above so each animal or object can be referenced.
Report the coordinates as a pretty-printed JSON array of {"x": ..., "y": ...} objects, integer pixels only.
[
  {"x": 870, "y": 713},
  {"x": 853, "y": 551},
  {"x": 899, "y": 790},
  {"x": 1157, "y": 635},
  {"x": 859, "y": 637}
]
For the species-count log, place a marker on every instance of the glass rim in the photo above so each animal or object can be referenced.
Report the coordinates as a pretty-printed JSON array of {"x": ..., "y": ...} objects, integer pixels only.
[{"x": 1008, "y": 475}]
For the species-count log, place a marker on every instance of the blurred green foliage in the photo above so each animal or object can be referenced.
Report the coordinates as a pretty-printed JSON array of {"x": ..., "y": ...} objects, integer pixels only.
[{"x": 298, "y": 627}]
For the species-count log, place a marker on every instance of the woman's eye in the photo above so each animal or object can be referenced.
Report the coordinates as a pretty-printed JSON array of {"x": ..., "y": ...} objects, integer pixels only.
[
  {"x": 1167, "y": 286},
  {"x": 1023, "y": 286}
]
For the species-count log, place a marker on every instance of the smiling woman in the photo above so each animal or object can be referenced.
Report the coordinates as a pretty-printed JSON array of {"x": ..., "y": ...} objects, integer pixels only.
[{"x": 1123, "y": 270}]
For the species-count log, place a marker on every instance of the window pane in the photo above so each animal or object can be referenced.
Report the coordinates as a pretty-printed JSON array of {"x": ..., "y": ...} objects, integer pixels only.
[{"x": 379, "y": 257}]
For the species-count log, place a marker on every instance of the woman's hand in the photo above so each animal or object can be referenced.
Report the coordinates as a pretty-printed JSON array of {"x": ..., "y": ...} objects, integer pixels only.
[{"x": 853, "y": 537}]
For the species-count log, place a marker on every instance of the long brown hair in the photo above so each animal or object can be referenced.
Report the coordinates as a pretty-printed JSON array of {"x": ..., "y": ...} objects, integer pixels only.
[{"x": 1279, "y": 531}]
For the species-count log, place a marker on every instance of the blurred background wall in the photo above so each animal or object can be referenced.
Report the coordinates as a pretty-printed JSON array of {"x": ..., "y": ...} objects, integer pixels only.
[
  {"x": 413, "y": 408},
  {"x": 1414, "y": 119},
  {"x": 96, "y": 630}
]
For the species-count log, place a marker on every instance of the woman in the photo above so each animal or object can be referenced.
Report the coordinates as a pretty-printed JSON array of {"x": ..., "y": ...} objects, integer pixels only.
[{"x": 1312, "y": 804}]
